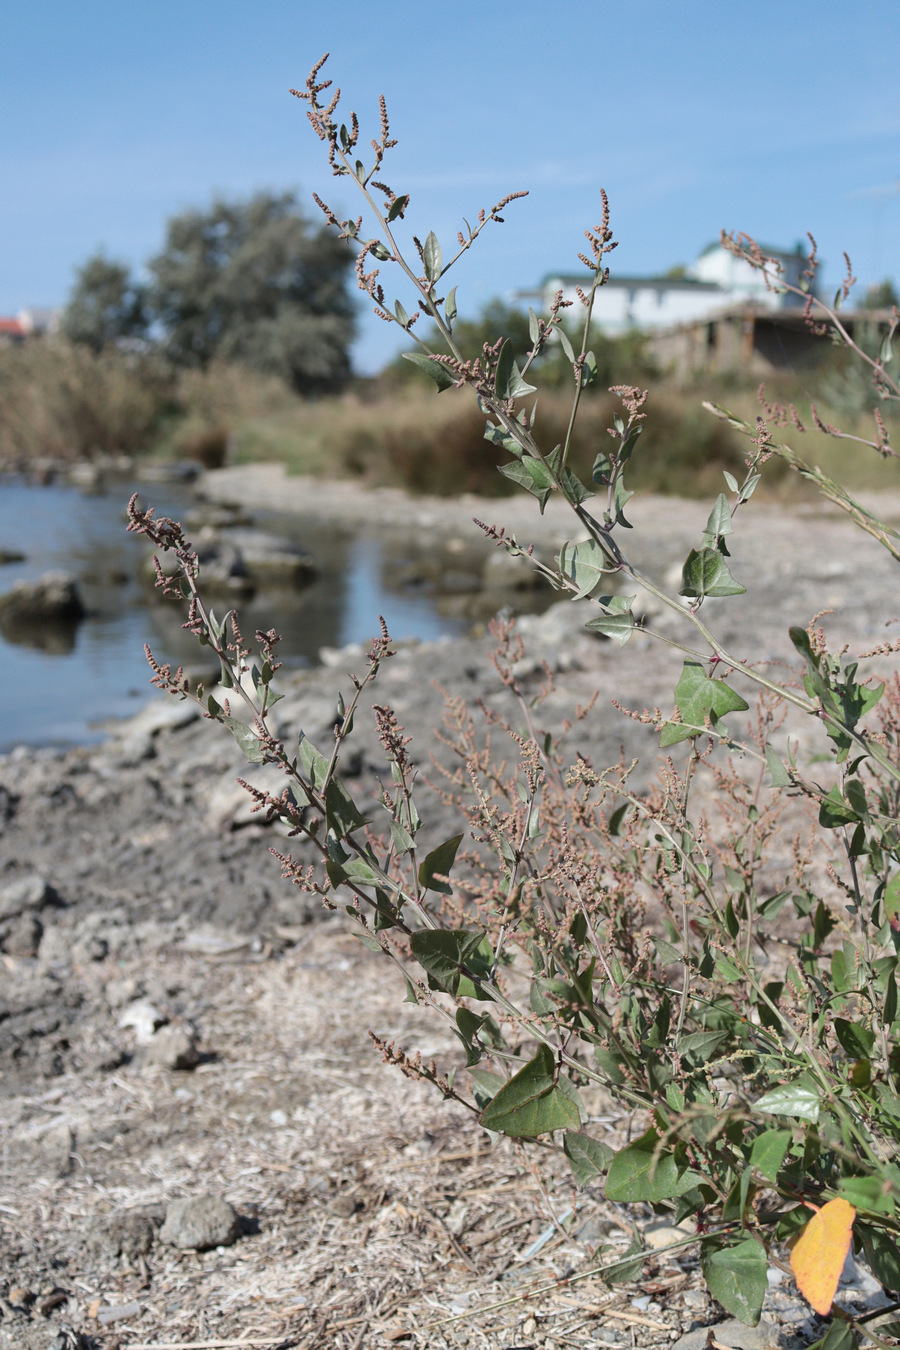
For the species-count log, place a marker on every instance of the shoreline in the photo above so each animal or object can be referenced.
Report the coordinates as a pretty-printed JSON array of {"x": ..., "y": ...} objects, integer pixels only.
[{"x": 133, "y": 873}]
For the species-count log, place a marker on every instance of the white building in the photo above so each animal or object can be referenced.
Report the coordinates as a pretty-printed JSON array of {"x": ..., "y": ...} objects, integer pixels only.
[{"x": 717, "y": 280}]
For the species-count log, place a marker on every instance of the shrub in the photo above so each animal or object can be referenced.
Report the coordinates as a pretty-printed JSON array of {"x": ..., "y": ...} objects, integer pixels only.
[
  {"x": 596, "y": 934},
  {"x": 64, "y": 401}
]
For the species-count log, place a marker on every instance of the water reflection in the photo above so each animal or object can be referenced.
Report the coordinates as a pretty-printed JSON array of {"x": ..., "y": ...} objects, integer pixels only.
[{"x": 56, "y": 690}]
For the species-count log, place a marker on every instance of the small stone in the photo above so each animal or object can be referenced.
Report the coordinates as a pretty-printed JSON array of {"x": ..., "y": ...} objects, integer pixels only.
[
  {"x": 56, "y": 1146},
  {"x": 733, "y": 1334},
  {"x": 278, "y": 1117},
  {"x": 24, "y": 935},
  {"x": 127, "y": 1236},
  {"x": 28, "y": 893},
  {"x": 172, "y": 1048},
  {"x": 343, "y": 1206},
  {"x": 145, "y": 1017},
  {"x": 21, "y": 1297},
  {"x": 90, "y": 948},
  {"x": 592, "y": 1231},
  {"x": 659, "y": 1235},
  {"x": 694, "y": 1298},
  {"x": 200, "y": 1223}
]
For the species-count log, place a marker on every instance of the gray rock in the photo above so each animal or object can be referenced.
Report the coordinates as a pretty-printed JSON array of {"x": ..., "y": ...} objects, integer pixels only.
[
  {"x": 230, "y": 806},
  {"x": 695, "y": 1298},
  {"x": 91, "y": 947},
  {"x": 271, "y": 560},
  {"x": 659, "y": 1235},
  {"x": 180, "y": 471},
  {"x": 33, "y": 893},
  {"x": 87, "y": 476},
  {"x": 23, "y": 936},
  {"x": 219, "y": 516},
  {"x": 172, "y": 1047},
  {"x": 54, "y": 598},
  {"x": 507, "y": 572},
  {"x": 127, "y": 1236},
  {"x": 559, "y": 624},
  {"x": 734, "y": 1334},
  {"x": 166, "y": 713},
  {"x": 224, "y": 570},
  {"x": 200, "y": 1223},
  {"x": 57, "y": 1145}
]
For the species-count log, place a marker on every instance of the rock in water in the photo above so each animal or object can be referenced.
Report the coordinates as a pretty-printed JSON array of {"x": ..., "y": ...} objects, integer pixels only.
[
  {"x": 53, "y": 598},
  {"x": 42, "y": 613}
]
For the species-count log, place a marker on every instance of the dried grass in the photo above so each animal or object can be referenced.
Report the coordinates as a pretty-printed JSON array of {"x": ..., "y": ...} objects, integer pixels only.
[{"x": 383, "y": 1216}]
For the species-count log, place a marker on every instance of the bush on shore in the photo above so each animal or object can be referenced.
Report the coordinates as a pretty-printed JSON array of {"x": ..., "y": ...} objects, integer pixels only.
[{"x": 62, "y": 401}]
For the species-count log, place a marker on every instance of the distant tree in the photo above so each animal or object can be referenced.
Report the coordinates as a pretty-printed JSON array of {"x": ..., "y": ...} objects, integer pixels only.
[
  {"x": 881, "y": 296},
  {"x": 253, "y": 282},
  {"x": 105, "y": 305}
]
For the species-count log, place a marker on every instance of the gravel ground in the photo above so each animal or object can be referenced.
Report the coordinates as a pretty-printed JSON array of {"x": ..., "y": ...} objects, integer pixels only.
[{"x": 137, "y": 892}]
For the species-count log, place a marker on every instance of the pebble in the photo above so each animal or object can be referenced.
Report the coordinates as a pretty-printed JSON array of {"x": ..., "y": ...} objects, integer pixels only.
[
  {"x": 343, "y": 1206},
  {"x": 657, "y": 1236},
  {"x": 144, "y": 1017},
  {"x": 172, "y": 1048},
  {"x": 33, "y": 892},
  {"x": 694, "y": 1298},
  {"x": 24, "y": 935},
  {"x": 734, "y": 1334},
  {"x": 200, "y": 1223},
  {"x": 127, "y": 1235}
]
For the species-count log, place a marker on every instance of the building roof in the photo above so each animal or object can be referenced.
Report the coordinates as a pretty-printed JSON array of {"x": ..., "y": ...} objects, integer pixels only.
[
  {"x": 629, "y": 283},
  {"x": 12, "y": 328},
  {"x": 798, "y": 251}
]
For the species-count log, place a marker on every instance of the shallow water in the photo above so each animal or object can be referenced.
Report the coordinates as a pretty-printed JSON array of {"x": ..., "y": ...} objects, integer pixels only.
[{"x": 63, "y": 697}]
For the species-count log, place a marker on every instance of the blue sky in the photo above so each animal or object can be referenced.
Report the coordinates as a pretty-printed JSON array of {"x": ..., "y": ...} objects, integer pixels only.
[{"x": 773, "y": 118}]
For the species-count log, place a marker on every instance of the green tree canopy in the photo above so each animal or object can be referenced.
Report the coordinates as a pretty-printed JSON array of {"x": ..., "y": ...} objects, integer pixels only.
[
  {"x": 253, "y": 282},
  {"x": 880, "y": 296},
  {"x": 105, "y": 306}
]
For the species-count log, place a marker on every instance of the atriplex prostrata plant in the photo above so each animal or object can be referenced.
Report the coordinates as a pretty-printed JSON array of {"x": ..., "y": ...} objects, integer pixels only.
[{"x": 597, "y": 935}]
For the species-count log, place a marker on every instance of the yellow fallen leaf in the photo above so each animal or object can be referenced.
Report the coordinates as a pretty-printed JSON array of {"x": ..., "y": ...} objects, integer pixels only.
[{"x": 820, "y": 1252}]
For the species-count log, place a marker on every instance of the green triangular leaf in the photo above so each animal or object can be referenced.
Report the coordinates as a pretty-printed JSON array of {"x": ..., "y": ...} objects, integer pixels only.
[
  {"x": 584, "y": 564},
  {"x": 643, "y": 1171},
  {"x": 443, "y": 953},
  {"x": 736, "y": 1276},
  {"x": 532, "y": 1102},
  {"x": 437, "y": 864},
  {"x": 588, "y": 1157},
  {"x": 435, "y": 370},
  {"x": 706, "y": 573},
  {"x": 696, "y": 695},
  {"x": 533, "y": 475},
  {"x": 247, "y": 739}
]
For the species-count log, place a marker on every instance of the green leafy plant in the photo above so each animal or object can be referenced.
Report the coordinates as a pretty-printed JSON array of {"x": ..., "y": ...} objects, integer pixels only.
[{"x": 580, "y": 932}]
